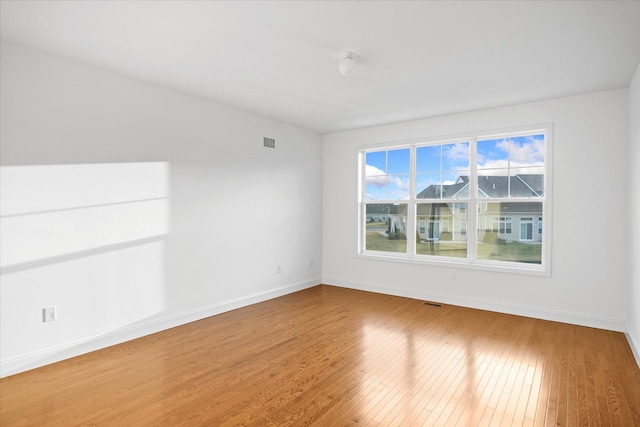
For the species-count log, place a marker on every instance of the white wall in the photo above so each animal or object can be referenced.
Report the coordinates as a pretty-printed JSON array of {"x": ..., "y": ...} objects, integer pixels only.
[
  {"x": 133, "y": 208},
  {"x": 590, "y": 265},
  {"x": 633, "y": 323}
]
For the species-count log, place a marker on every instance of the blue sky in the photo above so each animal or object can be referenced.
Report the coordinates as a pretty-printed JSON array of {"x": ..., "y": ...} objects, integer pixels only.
[
  {"x": 387, "y": 172},
  {"x": 514, "y": 153}
]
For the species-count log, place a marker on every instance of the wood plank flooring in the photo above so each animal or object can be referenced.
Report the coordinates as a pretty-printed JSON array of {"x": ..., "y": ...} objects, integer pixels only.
[{"x": 328, "y": 356}]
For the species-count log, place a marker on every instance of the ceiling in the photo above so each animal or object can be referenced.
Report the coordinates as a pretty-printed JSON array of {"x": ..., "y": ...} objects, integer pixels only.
[{"x": 280, "y": 59}]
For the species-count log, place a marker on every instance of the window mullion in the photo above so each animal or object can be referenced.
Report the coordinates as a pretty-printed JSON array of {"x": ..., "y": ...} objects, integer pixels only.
[
  {"x": 472, "y": 209},
  {"x": 411, "y": 208},
  {"x": 362, "y": 205}
]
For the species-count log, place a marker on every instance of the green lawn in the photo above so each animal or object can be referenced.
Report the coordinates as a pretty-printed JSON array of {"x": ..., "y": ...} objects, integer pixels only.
[
  {"x": 450, "y": 249},
  {"x": 377, "y": 226},
  {"x": 378, "y": 242},
  {"x": 513, "y": 251}
]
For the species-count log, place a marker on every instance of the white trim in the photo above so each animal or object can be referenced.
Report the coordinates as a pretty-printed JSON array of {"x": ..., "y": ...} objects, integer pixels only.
[
  {"x": 76, "y": 348},
  {"x": 472, "y": 138},
  {"x": 484, "y": 304},
  {"x": 633, "y": 347},
  {"x": 439, "y": 261}
]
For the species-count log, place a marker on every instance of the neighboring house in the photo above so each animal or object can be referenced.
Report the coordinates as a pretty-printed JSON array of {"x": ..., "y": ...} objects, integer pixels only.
[
  {"x": 442, "y": 221},
  {"x": 397, "y": 221},
  {"x": 443, "y": 217},
  {"x": 512, "y": 221},
  {"x": 447, "y": 219},
  {"x": 378, "y": 212},
  {"x": 393, "y": 215}
]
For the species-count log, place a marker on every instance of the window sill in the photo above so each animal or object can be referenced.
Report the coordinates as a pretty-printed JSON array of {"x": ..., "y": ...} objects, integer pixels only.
[{"x": 515, "y": 268}]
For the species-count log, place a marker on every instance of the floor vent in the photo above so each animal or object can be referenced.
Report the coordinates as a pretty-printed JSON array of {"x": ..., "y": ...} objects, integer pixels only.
[
  {"x": 269, "y": 142},
  {"x": 434, "y": 304}
]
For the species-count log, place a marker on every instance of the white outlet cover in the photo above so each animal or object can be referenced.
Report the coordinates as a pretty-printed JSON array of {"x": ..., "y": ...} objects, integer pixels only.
[{"x": 49, "y": 314}]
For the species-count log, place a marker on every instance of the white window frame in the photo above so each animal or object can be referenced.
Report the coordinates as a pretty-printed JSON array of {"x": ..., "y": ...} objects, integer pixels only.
[{"x": 471, "y": 261}]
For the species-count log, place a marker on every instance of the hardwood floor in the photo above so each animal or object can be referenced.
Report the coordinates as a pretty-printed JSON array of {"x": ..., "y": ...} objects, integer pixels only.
[{"x": 329, "y": 356}]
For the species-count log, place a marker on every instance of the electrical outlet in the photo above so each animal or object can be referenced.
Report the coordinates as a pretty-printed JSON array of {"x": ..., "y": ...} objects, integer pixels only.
[
  {"x": 452, "y": 274},
  {"x": 310, "y": 262},
  {"x": 49, "y": 314},
  {"x": 278, "y": 268}
]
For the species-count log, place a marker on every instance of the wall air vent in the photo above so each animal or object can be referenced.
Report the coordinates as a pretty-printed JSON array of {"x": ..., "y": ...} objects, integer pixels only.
[{"x": 269, "y": 142}]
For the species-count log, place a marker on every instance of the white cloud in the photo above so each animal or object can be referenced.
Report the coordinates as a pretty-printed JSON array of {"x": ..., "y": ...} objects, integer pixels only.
[
  {"x": 375, "y": 176},
  {"x": 400, "y": 183},
  {"x": 529, "y": 153},
  {"x": 503, "y": 145},
  {"x": 370, "y": 170},
  {"x": 457, "y": 152},
  {"x": 494, "y": 164},
  {"x": 521, "y": 155},
  {"x": 399, "y": 195},
  {"x": 499, "y": 168}
]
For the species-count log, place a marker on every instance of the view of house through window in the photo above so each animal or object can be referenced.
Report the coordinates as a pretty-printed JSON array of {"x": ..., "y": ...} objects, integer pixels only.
[
  {"x": 476, "y": 200},
  {"x": 387, "y": 227}
]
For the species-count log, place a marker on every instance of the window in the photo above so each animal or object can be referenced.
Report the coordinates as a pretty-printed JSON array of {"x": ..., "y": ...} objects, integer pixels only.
[
  {"x": 423, "y": 189},
  {"x": 502, "y": 225},
  {"x": 526, "y": 229},
  {"x": 387, "y": 175},
  {"x": 463, "y": 228}
]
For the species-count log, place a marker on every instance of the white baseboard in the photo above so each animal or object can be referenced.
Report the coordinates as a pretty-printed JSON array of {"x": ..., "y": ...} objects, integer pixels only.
[
  {"x": 56, "y": 354},
  {"x": 66, "y": 351},
  {"x": 483, "y": 304},
  {"x": 634, "y": 348}
]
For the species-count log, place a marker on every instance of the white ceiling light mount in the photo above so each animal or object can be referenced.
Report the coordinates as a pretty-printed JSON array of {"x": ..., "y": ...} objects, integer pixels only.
[{"x": 347, "y": 64}]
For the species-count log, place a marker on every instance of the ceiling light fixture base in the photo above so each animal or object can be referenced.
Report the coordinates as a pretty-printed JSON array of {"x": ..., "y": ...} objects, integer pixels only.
[{"x": 347, "y": 64}]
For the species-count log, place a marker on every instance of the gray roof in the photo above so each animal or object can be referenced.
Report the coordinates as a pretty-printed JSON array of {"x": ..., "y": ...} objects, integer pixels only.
[
  {"x": 380, "y": 209},
  {"x": 505, "y": 208},
  {"x": 386, "y": 209},
  {"x": 521, "y": 185}
]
